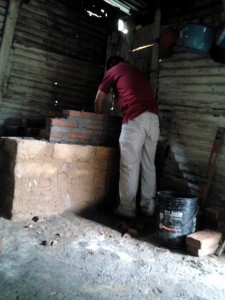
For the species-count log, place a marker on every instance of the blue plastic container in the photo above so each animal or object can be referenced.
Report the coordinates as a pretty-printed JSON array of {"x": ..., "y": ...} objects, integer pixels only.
[
  {"x": 220, "y": 40},
  {"x": 197, "y": 37}
]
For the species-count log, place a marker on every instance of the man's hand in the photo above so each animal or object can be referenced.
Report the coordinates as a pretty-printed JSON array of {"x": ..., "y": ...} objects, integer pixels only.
[{"x": 99, "y": 102}]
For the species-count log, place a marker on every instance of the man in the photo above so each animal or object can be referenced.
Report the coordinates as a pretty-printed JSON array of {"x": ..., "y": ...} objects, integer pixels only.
[{"x": 139, "y": 134}]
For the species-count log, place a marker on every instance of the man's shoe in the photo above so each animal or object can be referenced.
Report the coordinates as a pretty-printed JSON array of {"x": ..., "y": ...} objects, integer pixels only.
[
  {"x": 127, "y": 214},
  {"x": 148, "y": 213}
]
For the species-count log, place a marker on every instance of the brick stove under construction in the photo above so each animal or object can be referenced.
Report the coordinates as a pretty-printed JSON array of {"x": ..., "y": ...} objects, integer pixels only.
[{"x": 72, "y": 165}]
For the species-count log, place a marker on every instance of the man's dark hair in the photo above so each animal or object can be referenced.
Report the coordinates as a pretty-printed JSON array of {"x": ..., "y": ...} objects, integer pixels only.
[{"x": 112, "y": 61}]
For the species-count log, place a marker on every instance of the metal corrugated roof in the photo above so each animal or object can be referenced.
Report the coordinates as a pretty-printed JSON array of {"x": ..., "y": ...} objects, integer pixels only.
[
  {"x": 132, "y": 5},
  {"x": 171, "y": 11}
]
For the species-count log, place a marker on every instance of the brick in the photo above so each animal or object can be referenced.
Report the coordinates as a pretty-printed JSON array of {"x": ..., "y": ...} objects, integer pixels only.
[
  {"x": 78, "y": 114},
  {"x": 57, "y": 134},
  {"x": 61, "y": 123},
  {"x": 78, "y": 136},
  {"x": 83, "y": 127},
  {"x": 202, "y": 252},
  {"x": 203, "y": 239},
  {"x": 94, "y": 127}
]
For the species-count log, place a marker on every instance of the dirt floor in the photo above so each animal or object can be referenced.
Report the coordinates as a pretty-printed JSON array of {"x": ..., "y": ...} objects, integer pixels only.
[{"x": 89, "y": 257}]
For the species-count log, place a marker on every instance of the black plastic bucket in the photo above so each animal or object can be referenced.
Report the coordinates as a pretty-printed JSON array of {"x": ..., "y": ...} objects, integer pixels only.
[{"x": 176, "y": 218}]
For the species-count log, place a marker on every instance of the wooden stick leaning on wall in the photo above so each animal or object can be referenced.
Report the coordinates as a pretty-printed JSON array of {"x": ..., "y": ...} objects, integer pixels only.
[
  {"x": 7, "y": 40},
  {"x": 154, "y": 72}
]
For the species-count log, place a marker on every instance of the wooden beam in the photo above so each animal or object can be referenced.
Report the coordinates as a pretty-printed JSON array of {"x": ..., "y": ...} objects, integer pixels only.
[
  {"x": 7, "y": 40},
  {"x": 155, "y": 52}
]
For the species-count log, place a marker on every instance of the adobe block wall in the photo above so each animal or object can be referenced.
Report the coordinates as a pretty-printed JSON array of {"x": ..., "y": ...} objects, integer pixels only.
[{"x": 38, "y": 178}]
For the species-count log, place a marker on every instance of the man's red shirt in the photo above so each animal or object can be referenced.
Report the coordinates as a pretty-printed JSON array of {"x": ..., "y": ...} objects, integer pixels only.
[{"x": 132, "y": 90}]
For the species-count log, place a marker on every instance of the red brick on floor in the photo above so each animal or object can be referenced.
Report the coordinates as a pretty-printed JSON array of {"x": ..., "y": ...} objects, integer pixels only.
[{"x": 203, "y": 239}]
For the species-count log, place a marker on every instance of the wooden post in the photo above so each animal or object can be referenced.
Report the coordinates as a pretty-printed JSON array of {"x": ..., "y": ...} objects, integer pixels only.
[
  {"x": 7, "y": 40},
  {"x": 217, "y": 144},
  {"x": 155, "y": 52}
]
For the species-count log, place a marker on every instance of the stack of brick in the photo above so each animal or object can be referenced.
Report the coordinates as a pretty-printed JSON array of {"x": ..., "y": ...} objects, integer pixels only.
[
  {"x": 204, "y": 242},
  {"x": 84, "y": 128},
  {"x": 214, "y": 218}
]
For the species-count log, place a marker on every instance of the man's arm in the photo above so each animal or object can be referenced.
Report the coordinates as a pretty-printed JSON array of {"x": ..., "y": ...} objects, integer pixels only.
[{"x": 99, "y": 102}]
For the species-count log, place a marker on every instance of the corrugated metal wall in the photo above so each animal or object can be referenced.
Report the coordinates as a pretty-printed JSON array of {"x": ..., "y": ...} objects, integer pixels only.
[
  {"x": 191, "y": 96},
  {"x": 57, "y": 59}
]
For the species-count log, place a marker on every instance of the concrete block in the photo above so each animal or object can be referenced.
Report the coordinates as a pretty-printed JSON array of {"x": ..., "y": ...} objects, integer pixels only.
[
  {"x": 73, "y": 153},
  {"x": 203, "y": 239},
  {"x": 31, "y": 169},
  {"x": 202, "y": 252}
]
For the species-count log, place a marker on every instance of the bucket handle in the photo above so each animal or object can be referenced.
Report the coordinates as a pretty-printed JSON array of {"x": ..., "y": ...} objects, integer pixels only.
[{"x": 176, "y": 228}]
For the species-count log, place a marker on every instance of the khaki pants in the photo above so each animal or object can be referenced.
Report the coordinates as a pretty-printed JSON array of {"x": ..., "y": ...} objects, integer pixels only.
[{"x": 138, "y": 141}]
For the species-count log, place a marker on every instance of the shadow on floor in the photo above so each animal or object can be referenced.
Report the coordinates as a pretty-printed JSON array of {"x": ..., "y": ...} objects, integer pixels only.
[{"x": 142, "y": 228}]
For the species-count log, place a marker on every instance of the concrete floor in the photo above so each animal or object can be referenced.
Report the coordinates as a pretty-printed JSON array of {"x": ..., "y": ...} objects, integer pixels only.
[{"x": 87, "y": 257}]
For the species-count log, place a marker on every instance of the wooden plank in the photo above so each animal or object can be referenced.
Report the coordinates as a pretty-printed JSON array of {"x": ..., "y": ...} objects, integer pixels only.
[
  {"x": 188, "y": 63},
  {"x": 206, "y": 80},
  {"x": 7, "y": 39},
  {"x": 194, "y": 72},
  {"x": 216, "y": 101},
  {"x": 174, "y": 87}
]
